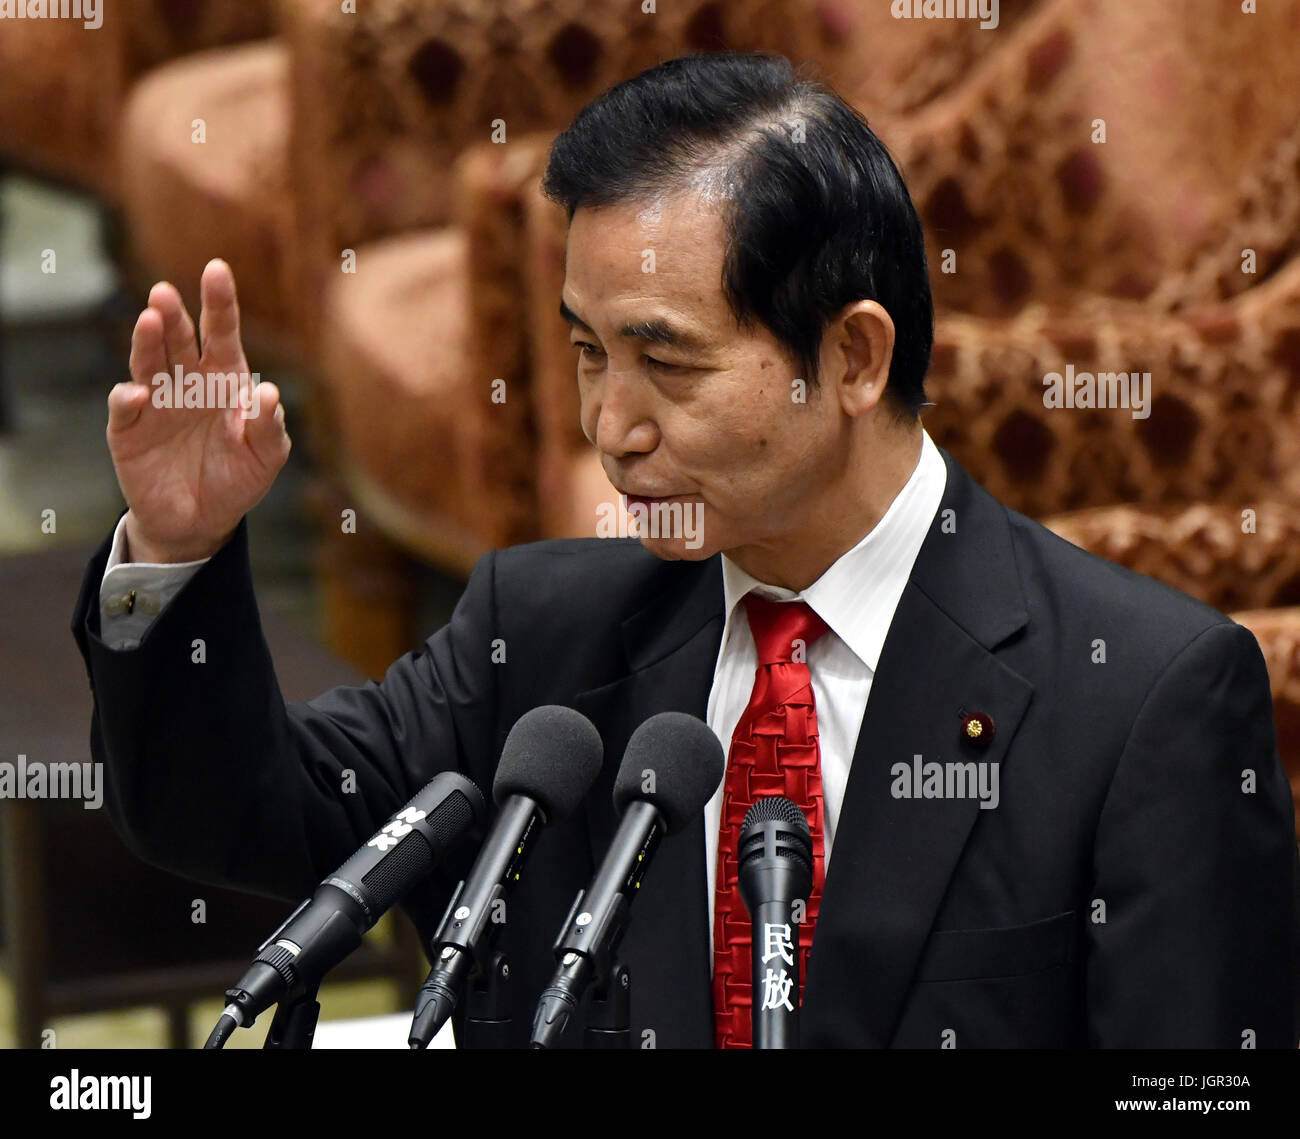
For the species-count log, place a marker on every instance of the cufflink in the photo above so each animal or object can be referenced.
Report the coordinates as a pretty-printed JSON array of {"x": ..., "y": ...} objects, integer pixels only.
[
  {"x": 116, "y": 606},
  {"x": 132, "y": 602},
  {"x": 977, "y": 729}
]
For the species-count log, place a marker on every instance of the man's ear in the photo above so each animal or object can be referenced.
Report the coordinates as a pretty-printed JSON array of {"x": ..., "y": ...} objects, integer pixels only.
[{"x": 862, "y": 345}]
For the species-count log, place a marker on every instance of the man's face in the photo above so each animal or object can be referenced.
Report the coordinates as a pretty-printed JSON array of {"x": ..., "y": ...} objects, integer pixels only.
[{"x": 715, "y": 419}]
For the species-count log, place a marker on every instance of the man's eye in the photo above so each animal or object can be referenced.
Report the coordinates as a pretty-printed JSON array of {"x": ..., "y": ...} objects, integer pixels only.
[
  {"x": 663, "y": 366},
  {"x": 666, "y": 367}
]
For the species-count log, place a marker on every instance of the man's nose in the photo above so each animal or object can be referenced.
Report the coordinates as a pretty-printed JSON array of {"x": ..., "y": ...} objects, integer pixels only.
[{"x": 623, "y": 421}]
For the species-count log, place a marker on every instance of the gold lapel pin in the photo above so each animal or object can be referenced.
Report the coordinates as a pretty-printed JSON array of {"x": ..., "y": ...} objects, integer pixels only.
[{"x": 977, "y": 729}]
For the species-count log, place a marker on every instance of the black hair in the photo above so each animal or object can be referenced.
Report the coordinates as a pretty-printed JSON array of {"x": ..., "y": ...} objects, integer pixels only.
[{"x": 816, "y": 214}]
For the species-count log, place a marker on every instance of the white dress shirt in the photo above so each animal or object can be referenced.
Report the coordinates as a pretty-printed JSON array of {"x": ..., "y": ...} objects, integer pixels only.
[{"x": 856, "y": 597}]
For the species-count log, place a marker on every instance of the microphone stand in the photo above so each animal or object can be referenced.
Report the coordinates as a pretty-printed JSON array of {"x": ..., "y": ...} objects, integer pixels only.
[
  {"x": 488, "y": 1007},
  {"x": 609, "y": 1022},
  {"x": 294, "y": 1023}
]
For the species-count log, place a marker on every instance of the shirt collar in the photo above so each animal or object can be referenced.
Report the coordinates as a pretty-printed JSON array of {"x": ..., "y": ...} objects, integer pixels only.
[{"x": 858, "y": 593}]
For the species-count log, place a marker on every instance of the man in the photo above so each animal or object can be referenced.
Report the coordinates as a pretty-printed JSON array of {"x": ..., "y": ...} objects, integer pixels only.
[{"x": 1043, "y": 792}]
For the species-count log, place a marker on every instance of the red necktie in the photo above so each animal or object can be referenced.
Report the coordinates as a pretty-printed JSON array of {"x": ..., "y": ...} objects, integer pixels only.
[{"x": 774, "y": 751}]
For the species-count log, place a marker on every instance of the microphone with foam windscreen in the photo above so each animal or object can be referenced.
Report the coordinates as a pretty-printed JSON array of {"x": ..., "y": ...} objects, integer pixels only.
[
  {"x": 329, "y": 925},
  {"x": 672, "y": 766},
  {"x": 549, "y": 760},
  {"x": 774, "y": 860}
]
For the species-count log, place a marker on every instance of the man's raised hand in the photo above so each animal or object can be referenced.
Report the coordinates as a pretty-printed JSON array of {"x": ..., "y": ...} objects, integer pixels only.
[{"x": 190, "y": 473}]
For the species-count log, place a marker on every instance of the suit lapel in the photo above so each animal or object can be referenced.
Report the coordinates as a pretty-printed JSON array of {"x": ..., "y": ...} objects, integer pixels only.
[
  {"x": 893, "y": 857},
  {"x": 671, "y": 648}
]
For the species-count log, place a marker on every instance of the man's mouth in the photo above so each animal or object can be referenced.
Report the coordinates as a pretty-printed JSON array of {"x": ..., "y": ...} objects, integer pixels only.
[{"x": 647, "y": 499}]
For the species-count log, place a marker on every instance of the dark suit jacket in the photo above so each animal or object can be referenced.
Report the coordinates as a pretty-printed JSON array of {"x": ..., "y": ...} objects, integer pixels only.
[{"x": 1126, "y": 892}]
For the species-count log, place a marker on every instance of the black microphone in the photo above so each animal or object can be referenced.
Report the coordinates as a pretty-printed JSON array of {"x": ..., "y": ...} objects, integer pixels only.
[
  {"x": 774, "y": 863},
  {"x": 549, "y": 760},
  {"x": 672, "y": 766},
  {"x": 329, "y": 925}
]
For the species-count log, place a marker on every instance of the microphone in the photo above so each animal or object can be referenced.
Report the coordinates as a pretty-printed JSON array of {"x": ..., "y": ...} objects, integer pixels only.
[
  {"x": 549, "y": 760},
  {"x": 774, "y": 862},
  {"x": 672, "y": 766},
  {"x": 329, "y": 925}
]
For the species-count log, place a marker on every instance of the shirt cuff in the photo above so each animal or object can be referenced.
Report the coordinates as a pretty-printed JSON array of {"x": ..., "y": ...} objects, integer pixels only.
[{"x": 132, "y": 594}]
